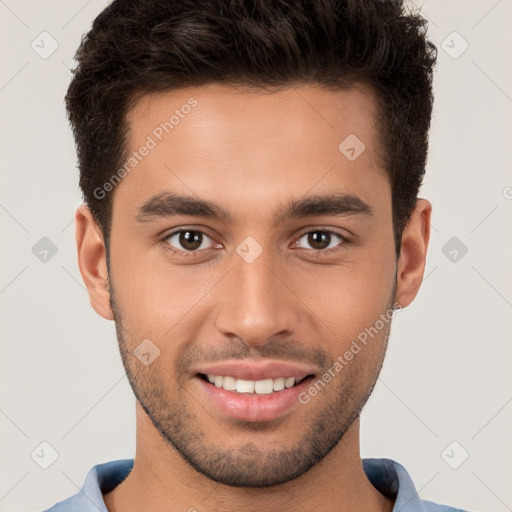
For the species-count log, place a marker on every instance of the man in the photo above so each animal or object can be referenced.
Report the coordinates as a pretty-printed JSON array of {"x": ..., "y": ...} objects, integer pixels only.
[{"x": 251, "y": 223}]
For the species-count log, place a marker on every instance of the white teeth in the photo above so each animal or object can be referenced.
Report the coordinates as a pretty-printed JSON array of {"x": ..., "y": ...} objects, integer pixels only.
[
  {"x": 244, "y": 386},
  {"x": 259, "y": 387},
  {"x": 289, "y": 382},
  {"x": 229, "y": 383},
  {"x": 279, "y": 384},
  {"x": 264, "y": 387}
]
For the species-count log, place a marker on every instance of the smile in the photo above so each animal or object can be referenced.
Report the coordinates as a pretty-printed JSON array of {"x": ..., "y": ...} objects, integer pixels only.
[
  {"x": 258, "y": 387},
  {"x": 260, "y": 400}
]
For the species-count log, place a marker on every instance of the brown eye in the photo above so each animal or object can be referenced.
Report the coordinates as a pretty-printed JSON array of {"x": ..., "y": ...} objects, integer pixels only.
[
  {"x": 321, "y": 240},
  {"x": 187, "y": 240}
]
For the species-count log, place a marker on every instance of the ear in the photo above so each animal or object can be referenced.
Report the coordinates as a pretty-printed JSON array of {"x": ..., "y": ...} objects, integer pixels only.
[
  {"x": 92, "y": 261},
  {"x": 413, "y": 253}
]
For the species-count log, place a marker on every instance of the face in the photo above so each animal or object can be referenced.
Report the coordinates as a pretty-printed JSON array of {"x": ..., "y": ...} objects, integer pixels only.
[{"x": 251, "y": 249}]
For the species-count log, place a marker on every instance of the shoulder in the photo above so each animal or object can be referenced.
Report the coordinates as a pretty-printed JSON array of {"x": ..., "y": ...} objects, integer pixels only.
[
  {"x": 393, "y": 480},
  {"x": 430, "y": 506},
  {"x": 100, "y": 479}
]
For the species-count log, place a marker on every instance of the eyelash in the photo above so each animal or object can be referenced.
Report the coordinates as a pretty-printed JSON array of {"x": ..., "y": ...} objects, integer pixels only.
[{"x": 312, "y": 252}]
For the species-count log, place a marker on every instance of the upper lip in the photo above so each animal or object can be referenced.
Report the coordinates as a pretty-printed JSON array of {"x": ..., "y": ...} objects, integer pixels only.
[{"x": 251, "y": 370}]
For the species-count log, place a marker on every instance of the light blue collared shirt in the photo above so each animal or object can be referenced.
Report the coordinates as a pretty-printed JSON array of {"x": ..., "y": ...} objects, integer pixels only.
[{"x": 386, "y": 475}]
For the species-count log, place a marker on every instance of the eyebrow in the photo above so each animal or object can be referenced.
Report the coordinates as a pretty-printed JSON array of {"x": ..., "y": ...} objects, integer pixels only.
[{"x": 167, "y": 204}]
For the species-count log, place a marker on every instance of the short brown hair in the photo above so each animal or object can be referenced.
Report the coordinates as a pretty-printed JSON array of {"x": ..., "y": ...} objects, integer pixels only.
[{"x": 143, "y": 46}]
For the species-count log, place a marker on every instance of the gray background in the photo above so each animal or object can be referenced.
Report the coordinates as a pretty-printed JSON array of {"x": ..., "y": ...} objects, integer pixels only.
[{"x": 447, "y": 375}]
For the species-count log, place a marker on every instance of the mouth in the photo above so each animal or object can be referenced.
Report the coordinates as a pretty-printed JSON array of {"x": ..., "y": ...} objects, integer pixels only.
[
  {"x": 251, "y": 401},
  {"x": 253, "y": 387}
]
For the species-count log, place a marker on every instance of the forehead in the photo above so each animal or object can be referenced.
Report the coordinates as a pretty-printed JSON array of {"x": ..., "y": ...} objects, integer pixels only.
[
  {"x": 252, "y": 146},
  {"x": 294, "y": 112}
]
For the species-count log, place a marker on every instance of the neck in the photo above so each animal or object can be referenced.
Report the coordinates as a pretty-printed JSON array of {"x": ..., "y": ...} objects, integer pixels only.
[{"x": 162, "y": 480}]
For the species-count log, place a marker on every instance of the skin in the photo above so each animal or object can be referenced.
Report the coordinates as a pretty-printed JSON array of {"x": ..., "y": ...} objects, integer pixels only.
[{"x": 251, "y": 153}]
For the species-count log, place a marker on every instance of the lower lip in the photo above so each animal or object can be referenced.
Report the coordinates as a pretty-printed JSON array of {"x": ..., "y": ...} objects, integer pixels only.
[{"x": 253, "y": 407}]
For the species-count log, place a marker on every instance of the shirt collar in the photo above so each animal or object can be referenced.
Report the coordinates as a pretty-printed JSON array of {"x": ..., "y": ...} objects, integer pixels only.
[
  {"x": 393, "y": 480},
  {"x": 386, "y": 475}
]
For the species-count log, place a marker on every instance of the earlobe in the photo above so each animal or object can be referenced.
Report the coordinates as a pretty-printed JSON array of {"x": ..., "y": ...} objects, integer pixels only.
[
  {"x": 413, "y": 253},
  {"x": 92, "y": 261}
]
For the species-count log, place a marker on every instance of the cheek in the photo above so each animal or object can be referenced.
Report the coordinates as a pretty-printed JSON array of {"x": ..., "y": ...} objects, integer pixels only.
[
  {"x": 155, "y": 298},
  {"x": 347, "y": 297}
]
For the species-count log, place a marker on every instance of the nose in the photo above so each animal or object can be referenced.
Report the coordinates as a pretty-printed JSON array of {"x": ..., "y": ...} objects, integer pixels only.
[{"x": 255, "y": 303}]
